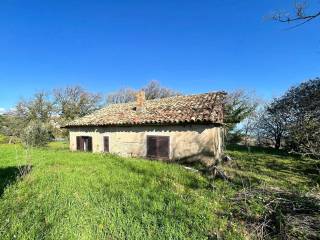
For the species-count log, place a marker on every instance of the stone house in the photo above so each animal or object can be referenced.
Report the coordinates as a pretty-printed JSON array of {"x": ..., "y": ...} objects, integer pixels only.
[{"x": 180, "y": 128}]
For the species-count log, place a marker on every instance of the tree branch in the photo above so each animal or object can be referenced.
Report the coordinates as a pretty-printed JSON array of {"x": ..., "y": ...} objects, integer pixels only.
[{"x": 300, "y": 15}]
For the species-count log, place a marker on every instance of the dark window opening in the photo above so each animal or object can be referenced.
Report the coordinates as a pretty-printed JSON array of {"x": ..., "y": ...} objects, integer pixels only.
[
  {"x": 106, "y": 144},
  {"x": 158, "y": 147},
  {"x": 84, "y": 144}
]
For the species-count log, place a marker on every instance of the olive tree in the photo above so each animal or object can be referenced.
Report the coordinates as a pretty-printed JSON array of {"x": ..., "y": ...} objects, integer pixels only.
[{"x": 36, "y": 134}]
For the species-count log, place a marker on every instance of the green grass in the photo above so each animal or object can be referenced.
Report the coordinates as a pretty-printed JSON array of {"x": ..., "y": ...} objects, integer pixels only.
[
  {"x": 273, "y": 168},
  {"x": 96, "y": 196}
]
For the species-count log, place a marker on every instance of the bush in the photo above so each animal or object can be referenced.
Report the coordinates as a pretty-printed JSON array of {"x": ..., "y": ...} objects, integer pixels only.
[
  {"x": 3, "y": 139},
  {"x": 234, "y": 137},
  {"x": 36, "y": 134}
]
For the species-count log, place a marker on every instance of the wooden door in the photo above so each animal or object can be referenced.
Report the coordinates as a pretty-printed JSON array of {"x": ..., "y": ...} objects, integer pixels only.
[
  {"x": 89, "y": 144},
  {"x": 106, "y": 144},
  {"x": 78, "y": 143},
  {"x": 158, "y": 147}
]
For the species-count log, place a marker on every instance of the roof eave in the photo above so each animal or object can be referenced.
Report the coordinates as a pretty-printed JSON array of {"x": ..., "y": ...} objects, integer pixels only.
[{"x": 217, "y": 123}]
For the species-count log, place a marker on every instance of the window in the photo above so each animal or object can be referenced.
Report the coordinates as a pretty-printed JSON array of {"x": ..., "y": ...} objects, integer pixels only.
[
  {"x": 106, "y": 144},
  {"x": 158, "y": 147},
  {"x": 84, "y": 143}
]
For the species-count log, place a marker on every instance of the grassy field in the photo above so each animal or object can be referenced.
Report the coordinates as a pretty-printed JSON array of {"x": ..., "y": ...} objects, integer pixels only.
[{"x": 97, "y": 196}]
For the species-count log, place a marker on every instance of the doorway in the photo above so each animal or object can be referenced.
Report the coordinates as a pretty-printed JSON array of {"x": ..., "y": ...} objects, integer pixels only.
[{"x": 84, "y": 143}]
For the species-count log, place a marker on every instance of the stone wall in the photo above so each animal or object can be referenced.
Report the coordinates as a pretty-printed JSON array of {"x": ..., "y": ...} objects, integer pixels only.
[{"x": 188, "y": 143}]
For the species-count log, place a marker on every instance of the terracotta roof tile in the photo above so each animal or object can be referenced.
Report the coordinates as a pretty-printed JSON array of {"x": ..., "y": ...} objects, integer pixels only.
[{"x": 202, "y": 108}]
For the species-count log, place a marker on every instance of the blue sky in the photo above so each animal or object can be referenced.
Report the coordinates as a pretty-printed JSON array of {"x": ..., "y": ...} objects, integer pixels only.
[{"x": 191, "y": 46}]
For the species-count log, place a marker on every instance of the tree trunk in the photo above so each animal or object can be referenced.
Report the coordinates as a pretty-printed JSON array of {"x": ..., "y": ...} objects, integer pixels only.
[{"x": 278, "y": 143}]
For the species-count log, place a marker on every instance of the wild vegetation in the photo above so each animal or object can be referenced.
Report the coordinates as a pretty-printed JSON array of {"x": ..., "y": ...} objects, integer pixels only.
[
  {"x": 292, "y": 121},
  {"x": 55, "y": 108},
  {"x": 264, "y": 193},
  {"x": 50, "y": 192}
]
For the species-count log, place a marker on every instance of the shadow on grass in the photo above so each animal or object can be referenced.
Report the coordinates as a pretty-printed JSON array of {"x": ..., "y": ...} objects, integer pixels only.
[
  {"x": 10, "y": 175},
  {"x": 149, "y": 173}
]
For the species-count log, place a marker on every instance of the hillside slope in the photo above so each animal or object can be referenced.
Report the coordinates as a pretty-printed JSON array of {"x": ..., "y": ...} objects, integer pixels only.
[{"x": 95, "y": 196}]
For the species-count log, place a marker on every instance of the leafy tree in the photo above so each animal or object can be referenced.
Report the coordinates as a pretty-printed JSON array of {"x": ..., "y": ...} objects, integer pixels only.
[
  {"x": 73, "y": 102},
  {"x": 39, "y": 108},
  {"x": 36, "y": 134},
  {"x": 2, "y": 120},
  {"x": 303, "y": 113},
  {"x": 239, "y": 105},
  {"x": 294, "y": 119},
  {"x": 10, "y": 126},
  {"x": 272, "y": 124}
]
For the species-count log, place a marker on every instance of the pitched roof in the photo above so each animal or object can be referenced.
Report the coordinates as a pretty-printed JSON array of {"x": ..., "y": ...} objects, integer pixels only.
[{"x": 200, "y": 108}]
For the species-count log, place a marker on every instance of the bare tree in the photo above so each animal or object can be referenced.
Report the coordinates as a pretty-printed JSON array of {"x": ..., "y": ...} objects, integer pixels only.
[
  {"x": 300, "y": 15},
  {"x": 73, "y": 102},
  {"x": 249, "y": 127},
  {"x": 153, "y": 90},
  {"x": 123, "y": 95}
]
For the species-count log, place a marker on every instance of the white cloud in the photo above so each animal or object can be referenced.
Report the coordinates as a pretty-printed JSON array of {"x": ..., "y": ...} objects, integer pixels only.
[{"x": 2, "y": 110}]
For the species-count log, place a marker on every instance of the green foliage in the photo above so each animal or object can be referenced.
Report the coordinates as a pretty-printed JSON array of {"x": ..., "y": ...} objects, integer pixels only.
[
  {"x": 259, "y": 166},
  {"x": 92, "y": 196},
  {"x": 295, "y": 118},
  {"x": 73, "y": 102},
  {"x": 303, "y": 113},
  {"x": 238, "y": 106},
  {"x": 3, "y": 139},
  {"x": 272, "y": 123},
  {"x": 39, "y": 108},
  {"x": 276, "y": 197},
  {"x": 1, "y": 120},
  {"x": 100, "y": 196},
  {"x": 235, "y": 137},
  {"x": 36, "y": 134},
  {"x": 12, "y": 125}
]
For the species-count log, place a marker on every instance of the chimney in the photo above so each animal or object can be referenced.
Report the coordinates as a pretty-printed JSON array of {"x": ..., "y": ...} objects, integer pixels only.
[{"x": 140, "y": 100}]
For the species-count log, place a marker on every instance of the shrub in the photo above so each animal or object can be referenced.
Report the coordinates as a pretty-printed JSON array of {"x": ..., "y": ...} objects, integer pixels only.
[
  {"x": 36, "y": 134},
  {"x": 234, "y": 137},
  {"x": 3, "y": 139}
]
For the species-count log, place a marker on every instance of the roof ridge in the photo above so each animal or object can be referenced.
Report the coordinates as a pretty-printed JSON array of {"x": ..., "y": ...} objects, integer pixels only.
[
  {"x": 159, "y": 99},
  {"x": 197, "y": 108}
]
